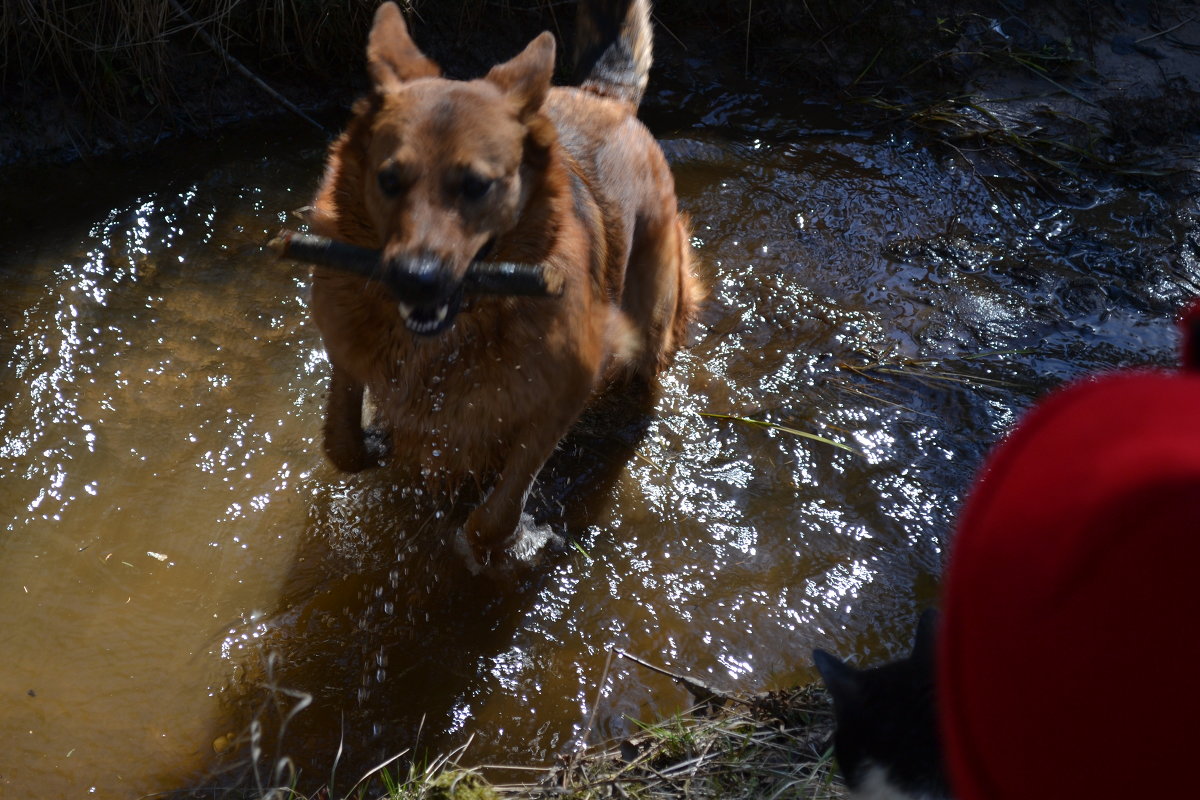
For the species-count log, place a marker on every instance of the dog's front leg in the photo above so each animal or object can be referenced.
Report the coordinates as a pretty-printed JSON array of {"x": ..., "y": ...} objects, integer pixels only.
[
  {"x": 345, "y": 444},
  {"x": 491, "y": 527}
]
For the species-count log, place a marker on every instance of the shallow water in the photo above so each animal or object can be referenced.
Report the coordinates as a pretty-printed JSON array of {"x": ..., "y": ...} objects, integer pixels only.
[{"x": 178, "y": 563}]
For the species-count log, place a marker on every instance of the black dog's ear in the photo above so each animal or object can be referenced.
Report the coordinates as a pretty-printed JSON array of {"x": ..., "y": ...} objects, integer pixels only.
[
  {"x": 840, "y": 679},
  {"x": 392, "y": 56},
  {"x": 925, "y": 642}
]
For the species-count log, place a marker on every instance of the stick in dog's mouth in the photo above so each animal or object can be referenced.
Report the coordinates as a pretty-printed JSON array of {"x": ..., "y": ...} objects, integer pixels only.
[{"x": 482, "y": 277}]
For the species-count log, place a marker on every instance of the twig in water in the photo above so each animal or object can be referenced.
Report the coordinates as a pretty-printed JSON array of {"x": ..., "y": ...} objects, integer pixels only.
[
  {"x": 591, "y": 718},
  {"x": 1164, "y": 33},
  {"x": 702, "y": 692}
]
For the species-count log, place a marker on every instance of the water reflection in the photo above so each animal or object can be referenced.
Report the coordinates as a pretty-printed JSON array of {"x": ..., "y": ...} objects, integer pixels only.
[{"x": 178, "y": 560}]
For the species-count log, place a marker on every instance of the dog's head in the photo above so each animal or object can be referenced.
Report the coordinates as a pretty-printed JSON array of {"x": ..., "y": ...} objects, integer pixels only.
[{"x": 454, "y": 162}]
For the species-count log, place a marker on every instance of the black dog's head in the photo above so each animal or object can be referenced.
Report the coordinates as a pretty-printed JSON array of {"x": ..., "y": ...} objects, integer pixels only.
[{"x": 887, "y": 720}]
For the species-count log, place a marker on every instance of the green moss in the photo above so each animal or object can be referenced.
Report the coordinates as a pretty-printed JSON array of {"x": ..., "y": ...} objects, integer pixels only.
[{"x": 459, "y": 785}]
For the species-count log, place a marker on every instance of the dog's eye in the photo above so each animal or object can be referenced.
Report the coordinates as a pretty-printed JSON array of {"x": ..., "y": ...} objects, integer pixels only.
[
  {"x": 475, "y": 186},
  {"x": 390, "y": 183}
]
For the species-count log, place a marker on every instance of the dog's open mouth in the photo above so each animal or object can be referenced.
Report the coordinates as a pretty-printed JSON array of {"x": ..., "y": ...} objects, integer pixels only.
[
  {"x": 431, "y": 319},
  {"x": 427, "y": 294}
]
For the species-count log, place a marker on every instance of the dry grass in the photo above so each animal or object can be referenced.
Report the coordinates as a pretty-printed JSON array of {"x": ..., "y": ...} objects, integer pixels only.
[
  {"x": 122, "y": 65},
  {"x": 974, "y": 370},
  {"x": 84, "y": 77},
  {"x": 770, "y": 747},
  {"x": 116, "y": 56},
  {"x": 767, "y": 746}
]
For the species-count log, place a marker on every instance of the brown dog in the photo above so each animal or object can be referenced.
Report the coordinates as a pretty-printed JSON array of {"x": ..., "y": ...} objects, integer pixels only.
[{"x": 436, "y": 173}]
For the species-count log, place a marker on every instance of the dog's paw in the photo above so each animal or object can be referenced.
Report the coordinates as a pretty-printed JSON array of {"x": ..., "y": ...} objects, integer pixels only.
[
  {"x": 474, "y": 564},
  {"x": 354, "y": 454},
  {"x": 377, "y": 443},
  {"x": 525, "y": 550},
  {"x": 532, "y": 542},
  {"x": 346, "y": 459}
]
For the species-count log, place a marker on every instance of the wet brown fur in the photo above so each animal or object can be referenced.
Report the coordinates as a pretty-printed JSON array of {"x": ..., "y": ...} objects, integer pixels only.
[{"x": 578, "y": 184}]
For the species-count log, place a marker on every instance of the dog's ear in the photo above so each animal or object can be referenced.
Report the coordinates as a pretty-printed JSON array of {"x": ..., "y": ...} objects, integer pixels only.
[
  {"x": 392, "y": 56},
  {"x": 526, "y": 78}
]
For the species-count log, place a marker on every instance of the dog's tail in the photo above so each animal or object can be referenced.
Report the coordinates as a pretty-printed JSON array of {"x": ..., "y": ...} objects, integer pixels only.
[{"x": 614, "y": 47}]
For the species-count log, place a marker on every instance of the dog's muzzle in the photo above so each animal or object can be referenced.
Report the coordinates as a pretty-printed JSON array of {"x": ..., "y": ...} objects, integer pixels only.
[
  {"x": 428, "y": 296},
  {"x": 432, "y": 319}
]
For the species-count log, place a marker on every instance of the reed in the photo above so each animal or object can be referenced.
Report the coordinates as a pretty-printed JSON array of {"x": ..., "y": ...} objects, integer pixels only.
[{"x": 117, "y": 58}]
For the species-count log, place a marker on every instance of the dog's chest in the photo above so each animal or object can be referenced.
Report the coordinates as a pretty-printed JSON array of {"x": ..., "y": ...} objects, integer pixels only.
[{"x": 460, "y": 411}]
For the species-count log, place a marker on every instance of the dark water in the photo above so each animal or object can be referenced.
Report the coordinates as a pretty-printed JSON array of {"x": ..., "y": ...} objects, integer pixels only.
[{"x": 177, "y": 561}]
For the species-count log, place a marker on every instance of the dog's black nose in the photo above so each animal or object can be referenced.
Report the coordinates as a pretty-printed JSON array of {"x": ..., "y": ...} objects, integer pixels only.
[{"x": 420, "y": 279}]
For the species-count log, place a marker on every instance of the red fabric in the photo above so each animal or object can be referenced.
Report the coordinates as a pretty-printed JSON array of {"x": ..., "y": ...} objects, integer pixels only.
[{"x": 1069, "y": 655}]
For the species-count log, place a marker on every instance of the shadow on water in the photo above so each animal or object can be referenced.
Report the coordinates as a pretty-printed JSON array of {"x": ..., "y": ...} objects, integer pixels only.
[
  {"x": 178, "y": 561},
  {"x": 384, "y": 626}
]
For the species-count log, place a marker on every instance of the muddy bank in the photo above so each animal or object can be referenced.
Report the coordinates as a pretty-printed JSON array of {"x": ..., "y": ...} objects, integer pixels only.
[{"x": 1074, "y": 83}]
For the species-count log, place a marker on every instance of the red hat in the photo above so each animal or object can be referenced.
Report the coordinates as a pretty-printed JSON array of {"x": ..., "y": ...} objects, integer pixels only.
[{"x": 1069, "y": 654}]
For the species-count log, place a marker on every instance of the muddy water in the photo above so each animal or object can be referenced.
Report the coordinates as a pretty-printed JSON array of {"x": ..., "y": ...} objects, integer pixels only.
[{"x": 178, "y": 563}]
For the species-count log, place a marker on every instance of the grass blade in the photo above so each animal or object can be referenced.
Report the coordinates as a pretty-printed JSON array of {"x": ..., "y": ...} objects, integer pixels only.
[{"x": 782, "y": 429}]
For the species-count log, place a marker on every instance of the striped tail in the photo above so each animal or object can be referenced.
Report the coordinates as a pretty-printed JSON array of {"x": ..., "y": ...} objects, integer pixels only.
[{"x": 614, "y": 48}]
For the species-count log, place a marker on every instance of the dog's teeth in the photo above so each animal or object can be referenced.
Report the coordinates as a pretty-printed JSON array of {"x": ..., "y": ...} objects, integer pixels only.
[
  {"x": 441, "y": 312},
  {"x": 420, "y": 326},
  {"x": 405, "y": 310}
]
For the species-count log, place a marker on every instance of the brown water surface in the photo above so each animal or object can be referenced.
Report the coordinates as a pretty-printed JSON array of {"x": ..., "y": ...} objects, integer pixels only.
[{"x": 178, "y": 562}]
